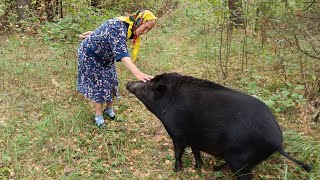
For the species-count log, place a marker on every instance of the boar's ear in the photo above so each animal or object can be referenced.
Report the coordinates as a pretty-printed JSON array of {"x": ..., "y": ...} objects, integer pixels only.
[{"x": 160, "y": 89}]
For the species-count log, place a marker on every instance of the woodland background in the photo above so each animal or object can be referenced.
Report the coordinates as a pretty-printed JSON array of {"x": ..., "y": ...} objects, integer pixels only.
[{"x": 267, "y": 48}]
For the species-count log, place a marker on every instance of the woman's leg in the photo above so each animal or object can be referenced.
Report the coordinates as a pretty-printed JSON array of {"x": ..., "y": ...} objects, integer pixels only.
[
  {"x": 109, "y": 104},
  {"x": 109, "y": 110},
  {"x": 99, "y": 117},
  {"x": 98, "y": 108}
]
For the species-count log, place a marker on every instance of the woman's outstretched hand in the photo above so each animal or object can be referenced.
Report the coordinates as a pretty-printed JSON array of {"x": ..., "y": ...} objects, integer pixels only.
[
  {"x": 134, "y": 70},
  {"x": 143, "y": 77},
  {"x": 86, "y": 34}
]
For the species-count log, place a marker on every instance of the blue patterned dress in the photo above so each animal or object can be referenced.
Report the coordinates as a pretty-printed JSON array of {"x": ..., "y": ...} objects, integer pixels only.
[{"x": 97, "y": 76}]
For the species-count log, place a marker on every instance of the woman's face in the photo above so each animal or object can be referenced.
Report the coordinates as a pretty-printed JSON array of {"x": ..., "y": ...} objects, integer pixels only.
[{"x": 144, "y": 28}]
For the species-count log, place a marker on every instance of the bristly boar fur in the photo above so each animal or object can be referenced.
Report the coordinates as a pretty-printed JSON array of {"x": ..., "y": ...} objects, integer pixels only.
[{"x": 209, "y": 117}]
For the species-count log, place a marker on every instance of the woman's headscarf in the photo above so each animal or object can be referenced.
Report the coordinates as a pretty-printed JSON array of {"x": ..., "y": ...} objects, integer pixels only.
[{"x": 135, "y": 20}]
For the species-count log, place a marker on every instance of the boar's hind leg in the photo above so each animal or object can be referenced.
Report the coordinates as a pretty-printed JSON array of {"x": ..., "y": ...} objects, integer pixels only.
[
  {"x": 197, "y": 157},
  {"x": 178, "y": 152}
]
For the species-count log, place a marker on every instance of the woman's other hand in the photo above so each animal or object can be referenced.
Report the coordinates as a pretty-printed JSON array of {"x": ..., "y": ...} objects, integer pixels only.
[{"x": 86, "y": 34}]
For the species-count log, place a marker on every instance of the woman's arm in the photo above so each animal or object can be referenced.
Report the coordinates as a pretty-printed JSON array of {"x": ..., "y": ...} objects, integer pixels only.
[
  {"x": 85, "y": 34},
  {"x": 134, "y": 70}
]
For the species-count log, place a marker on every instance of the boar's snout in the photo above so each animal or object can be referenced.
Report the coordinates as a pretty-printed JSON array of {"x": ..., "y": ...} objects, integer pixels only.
[
  {"x": 132, "y": 86},
  {"x": 129, "y": 85}
]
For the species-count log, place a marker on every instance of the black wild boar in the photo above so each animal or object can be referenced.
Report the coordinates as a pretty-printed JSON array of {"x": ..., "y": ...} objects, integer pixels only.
[{"x": 214, "y": 119}]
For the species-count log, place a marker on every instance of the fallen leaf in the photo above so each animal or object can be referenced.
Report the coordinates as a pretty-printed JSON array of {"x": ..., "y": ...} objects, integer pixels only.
[
  {"x": 158, "y": 138},
  {"x": 55, "y": 83},
  {"x": 67, "y": 169}
]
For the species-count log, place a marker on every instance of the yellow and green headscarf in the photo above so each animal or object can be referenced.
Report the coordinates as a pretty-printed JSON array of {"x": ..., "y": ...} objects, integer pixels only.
[{"x": 135, "y": 20}]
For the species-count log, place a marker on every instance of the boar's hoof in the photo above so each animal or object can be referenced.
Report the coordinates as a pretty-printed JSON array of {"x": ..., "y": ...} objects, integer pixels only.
[
  {"x": 198, "y": 165},
  {"x": 178, "y": 167}
]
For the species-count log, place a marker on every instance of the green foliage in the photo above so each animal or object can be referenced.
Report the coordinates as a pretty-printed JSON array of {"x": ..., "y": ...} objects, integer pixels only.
[
  {"x": 295, "y": 144},
  {"x": 67, "y": 30},
  {"x": 64, "y": 30},
  {"x": 283, "y": 100},
  {"x": 278, "y": 96},
  {"x": 199, "y": 14},
  {"x": 2, "y": 6},
  {"x": 218, "y": 174},
  {"x": 286, "y": 99}
]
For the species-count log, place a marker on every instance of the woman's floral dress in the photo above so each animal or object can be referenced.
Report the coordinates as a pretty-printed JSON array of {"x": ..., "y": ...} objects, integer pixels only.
[{"x": 97, "y": 54}]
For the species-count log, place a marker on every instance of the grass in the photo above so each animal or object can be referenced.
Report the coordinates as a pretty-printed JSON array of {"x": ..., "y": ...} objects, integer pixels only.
[{"x": 47, "y": 131}]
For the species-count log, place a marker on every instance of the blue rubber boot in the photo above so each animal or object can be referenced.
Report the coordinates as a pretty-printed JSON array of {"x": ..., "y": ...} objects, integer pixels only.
[
  {"x": 109, "y": 113},
  {"x": 99, "y": 121}
]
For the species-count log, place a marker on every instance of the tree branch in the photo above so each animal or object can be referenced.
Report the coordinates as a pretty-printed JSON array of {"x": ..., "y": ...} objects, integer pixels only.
[
  {"x": 303, "y": 51},
  {"x": 311, "y": 3}
]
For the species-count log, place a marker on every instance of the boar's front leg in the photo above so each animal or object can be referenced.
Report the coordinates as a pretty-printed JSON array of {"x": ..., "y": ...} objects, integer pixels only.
[
  {"x": 197, "y": 157},
  {"x": 178, "y": 152}
]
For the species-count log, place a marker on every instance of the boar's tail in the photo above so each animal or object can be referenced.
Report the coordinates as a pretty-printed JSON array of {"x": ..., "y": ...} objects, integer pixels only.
[{"x": 307, "y": 167}]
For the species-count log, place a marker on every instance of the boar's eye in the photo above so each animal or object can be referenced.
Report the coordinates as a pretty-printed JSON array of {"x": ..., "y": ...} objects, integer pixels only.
[{"x": 159, "y": 89}]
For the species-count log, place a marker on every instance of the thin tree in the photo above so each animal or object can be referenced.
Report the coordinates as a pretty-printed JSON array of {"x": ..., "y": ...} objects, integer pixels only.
[
  {"x": 235, "y": 7},
  {"x": 21, "y": 7}
]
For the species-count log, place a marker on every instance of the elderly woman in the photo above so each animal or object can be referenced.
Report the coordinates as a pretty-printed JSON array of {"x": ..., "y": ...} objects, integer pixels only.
[{"x": 98, "y": 52}]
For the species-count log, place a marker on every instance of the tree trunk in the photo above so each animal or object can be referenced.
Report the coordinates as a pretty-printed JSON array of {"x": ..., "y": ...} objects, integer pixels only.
[
  {"x": 50, "y": 10},
  {"x": 58, "y": 8},
  {"x": 262, "y": 21},
  {"x": 22, "y": 6},
  {"x": 235, "y": 7},
  {"x": 256, "y": 22}
]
